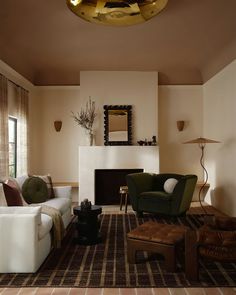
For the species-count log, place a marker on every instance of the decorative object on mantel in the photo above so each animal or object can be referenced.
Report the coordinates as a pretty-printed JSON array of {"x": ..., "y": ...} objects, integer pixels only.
[
  {"x": 201, "y": 141},
  {"x": 154, "y": 140},
  {"x": 117, "y": 125},
  {"x": 116, "y": 13},
  {"x": 58, "y": 125},
  {"x": 85, "y": 118},
  {"x": 146, "y": 142},
  {"x": 180, "y": 125},
  {"x": 141, "y": 142}
]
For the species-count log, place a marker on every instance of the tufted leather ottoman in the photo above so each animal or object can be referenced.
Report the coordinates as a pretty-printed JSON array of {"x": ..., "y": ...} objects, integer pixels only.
[{"x": 156, "y": 237}]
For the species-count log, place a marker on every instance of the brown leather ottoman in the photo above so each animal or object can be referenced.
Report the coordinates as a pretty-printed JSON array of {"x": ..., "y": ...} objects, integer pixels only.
[{"x": 156, "y": 237}]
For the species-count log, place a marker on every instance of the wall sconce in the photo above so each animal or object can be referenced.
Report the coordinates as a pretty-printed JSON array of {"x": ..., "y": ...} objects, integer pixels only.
[
  {"x": 58, "y": 125},
  {"x": 180, "y": 125}
]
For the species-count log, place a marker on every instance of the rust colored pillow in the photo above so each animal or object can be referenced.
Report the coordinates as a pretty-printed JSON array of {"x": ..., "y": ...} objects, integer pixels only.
[{"x": 12, "y": 195}]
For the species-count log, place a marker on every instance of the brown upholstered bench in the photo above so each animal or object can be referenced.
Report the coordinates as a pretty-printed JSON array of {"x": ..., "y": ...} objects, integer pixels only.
[{"x": 156, "y": 237}]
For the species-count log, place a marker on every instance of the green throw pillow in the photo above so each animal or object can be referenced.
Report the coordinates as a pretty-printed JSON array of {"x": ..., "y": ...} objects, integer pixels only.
[{"x": 34, "y": 190}]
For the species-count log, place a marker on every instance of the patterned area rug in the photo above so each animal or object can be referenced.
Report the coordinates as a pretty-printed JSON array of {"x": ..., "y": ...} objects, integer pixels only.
[{"x": 105, "y": 264}]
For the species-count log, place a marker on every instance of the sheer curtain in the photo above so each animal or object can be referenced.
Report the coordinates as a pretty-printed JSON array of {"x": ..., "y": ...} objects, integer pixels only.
[
  {"x": 4, "y": 155},
  {"x": 22, "y": 131}
]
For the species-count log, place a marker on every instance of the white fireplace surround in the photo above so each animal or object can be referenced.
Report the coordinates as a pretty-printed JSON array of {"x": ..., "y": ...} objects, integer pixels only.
[{"x": 113, "y": 157}]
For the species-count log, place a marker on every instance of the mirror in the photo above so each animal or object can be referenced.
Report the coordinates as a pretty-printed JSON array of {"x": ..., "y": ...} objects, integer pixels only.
[{"x": 117, "y": 121}]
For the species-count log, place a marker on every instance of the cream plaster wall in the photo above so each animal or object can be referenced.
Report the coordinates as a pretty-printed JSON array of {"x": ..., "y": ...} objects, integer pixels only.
[
  {"x": 220, "y": 124},
  {"x": 54, "y": 152},
  {"x": 180, "y": 103},
  {"x": 57, "y": 152},
  {"x": 138, "y": 89}
]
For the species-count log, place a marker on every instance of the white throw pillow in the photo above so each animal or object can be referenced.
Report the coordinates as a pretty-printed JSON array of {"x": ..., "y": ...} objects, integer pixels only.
[{"x": 169, "y": 185}]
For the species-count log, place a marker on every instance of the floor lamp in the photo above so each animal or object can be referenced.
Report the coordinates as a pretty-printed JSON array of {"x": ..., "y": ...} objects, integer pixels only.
[{"x": 202, "y": 143}]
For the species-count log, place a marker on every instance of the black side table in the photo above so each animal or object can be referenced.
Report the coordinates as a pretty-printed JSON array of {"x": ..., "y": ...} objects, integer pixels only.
[{"x": 88, "y": 225}]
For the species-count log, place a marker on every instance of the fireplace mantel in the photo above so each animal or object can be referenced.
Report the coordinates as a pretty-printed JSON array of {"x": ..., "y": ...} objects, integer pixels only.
[{"x": 113, "y": 157}]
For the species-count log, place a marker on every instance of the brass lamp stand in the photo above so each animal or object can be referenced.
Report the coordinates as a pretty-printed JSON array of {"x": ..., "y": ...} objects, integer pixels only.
[{"x": 202, "y": 143}]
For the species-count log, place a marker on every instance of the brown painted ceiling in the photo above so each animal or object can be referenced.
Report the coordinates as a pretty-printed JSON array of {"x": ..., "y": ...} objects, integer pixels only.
[{"x": 187, "y": 43}]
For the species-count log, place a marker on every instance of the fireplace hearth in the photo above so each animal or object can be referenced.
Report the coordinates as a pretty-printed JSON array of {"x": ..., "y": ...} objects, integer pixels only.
[{"x": 107, "y": 184}]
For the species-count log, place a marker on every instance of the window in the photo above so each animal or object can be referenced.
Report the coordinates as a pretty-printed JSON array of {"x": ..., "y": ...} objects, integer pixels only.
[{"x": 12, "y": 135}]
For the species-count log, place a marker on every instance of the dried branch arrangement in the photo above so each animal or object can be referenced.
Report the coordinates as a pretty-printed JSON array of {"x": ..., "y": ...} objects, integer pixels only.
[{"x": 85, "y": 118}]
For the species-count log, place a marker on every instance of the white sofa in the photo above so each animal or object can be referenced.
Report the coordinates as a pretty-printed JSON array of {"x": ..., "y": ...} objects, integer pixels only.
[{"x": 25, "y": 238}]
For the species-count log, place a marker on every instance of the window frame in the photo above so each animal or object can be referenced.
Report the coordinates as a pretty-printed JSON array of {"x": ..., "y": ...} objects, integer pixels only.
[{"x": 13, "y": 119}]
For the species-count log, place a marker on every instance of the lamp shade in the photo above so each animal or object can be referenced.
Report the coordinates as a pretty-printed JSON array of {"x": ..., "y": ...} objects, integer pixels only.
[
  {"x": 201, "y": 140},
  {"x": 116, "y": 12}
]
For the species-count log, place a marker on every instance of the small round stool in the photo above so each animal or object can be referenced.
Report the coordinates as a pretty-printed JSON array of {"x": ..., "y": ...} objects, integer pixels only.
[{"x": 123, "y": 192}]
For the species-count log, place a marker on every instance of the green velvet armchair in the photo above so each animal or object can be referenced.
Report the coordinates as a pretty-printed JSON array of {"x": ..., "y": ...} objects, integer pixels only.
[{"x": 147, "y": 193}]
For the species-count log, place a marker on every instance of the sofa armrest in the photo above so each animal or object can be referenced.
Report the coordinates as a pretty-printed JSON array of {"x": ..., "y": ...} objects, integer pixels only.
[
  {"x": 63, "y": 192},
  {"x": 12, "y": 211},
  {"x": 19, "y": 228}
]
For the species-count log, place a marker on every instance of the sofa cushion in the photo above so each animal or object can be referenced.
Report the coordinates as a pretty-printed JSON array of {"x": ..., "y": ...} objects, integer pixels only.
[
  {"x": 3, "y": 202},
  {"x": 12, "y": 195},
  {"x": 20, "y": 180},
  {"x": 158, "y": 195},
  {"x": 149, "y": 201},
  {"x": 60, "y": 204},
  {"x": 45, "y": 226},
  {"x": 48, "y": 180},
  {"x": 34, "y": 190},
  {"x": 169, "y": 185},
  {"x": 14, "y": 183}
]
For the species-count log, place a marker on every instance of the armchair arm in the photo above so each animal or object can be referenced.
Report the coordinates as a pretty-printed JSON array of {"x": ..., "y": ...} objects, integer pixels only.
[
  {"x": 19, "y": 238},
  {"x": 207, "y": 236},
  {"x": 187, "y": 183},
  {"x": 63, "y": 192},
  {"x": 183, "y": 193},
  {"x": 220, "y": 222},
  {"x": 138, "y": 183}
]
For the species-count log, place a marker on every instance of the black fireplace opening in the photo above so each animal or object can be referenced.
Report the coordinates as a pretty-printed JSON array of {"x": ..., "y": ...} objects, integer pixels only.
[{"x": 107, "y": 184}]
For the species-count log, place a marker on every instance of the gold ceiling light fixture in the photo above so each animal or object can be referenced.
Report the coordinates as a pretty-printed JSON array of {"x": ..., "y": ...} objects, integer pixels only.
[{"x": 116, "y": 12}]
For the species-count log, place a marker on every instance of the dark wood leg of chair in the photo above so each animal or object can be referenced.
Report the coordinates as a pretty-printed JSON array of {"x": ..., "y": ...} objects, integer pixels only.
[
  {"x": 131, "y": 253},
  {"x": 121, "y": 201},
  {"x": 139, "y": 214},
  {"x": 170, "y": 260},
  {"x": 182, "y": 214},
  {"x": 126, "y": 201},
  {"x": 191, "y": 256}
]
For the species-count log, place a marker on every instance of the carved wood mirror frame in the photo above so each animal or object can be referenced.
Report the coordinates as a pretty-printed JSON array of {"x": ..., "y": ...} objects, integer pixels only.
[{"x": 126, "y": 109}]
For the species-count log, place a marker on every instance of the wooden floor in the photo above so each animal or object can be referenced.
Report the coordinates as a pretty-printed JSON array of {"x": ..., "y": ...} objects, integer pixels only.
[
  {"x": 124, "y": 291},
  {"x": 195, "y": 209}
]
